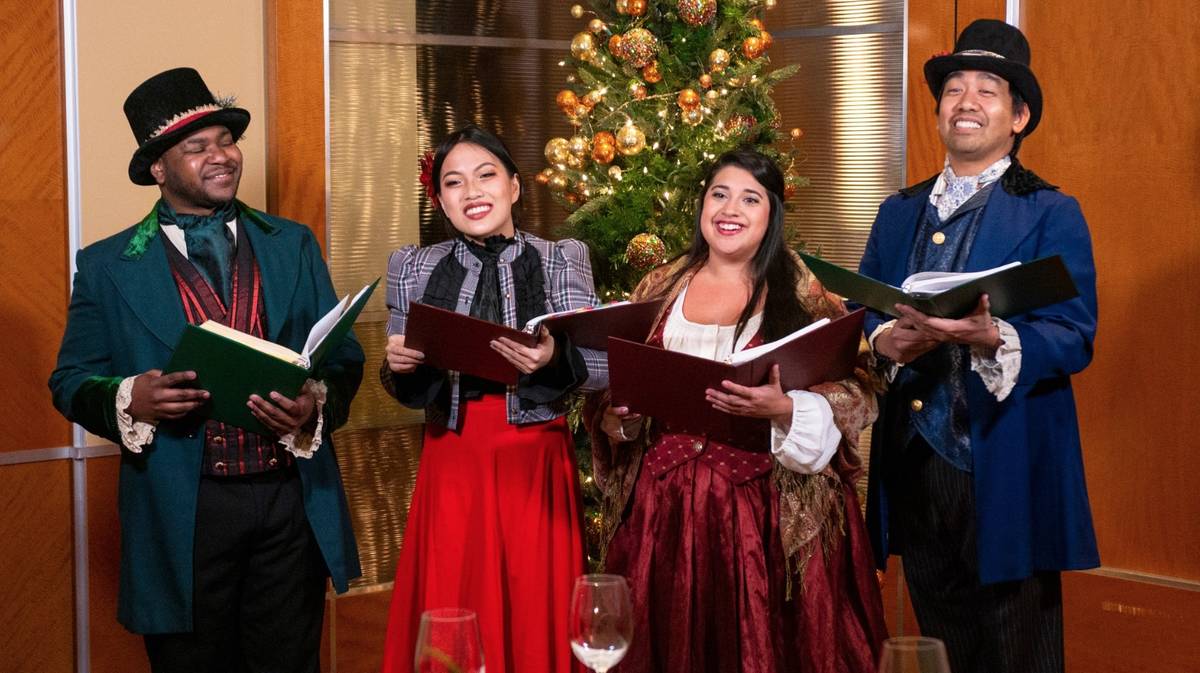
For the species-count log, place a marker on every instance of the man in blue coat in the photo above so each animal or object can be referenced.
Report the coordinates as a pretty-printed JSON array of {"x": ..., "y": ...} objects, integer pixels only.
[
  {"x": 227, "y": 535},
  {"x": 976, "y": 471}
]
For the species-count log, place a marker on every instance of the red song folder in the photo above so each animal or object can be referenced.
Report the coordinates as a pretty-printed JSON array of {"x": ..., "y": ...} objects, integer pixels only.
[{"x": 669, "y": 386}]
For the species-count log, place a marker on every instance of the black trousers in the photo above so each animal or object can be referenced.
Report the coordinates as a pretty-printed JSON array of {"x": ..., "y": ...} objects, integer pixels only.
[
  {"x": 259, "y": 596},
  {"x": 1006, "y": 627}
]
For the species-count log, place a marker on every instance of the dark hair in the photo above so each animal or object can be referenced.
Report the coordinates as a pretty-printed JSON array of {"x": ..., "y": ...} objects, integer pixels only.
[
  {"x": 773, "y": 267},
  {"x": 1018, "y": 102},
  {"x": 488, "y": 141}
]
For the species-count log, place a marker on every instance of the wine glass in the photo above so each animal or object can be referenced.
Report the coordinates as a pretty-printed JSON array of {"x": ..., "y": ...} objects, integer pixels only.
[
  {"x": 913, "y": 654},
  {"x": 601, "y": 621},
  {"x": 448, "y": 642}
]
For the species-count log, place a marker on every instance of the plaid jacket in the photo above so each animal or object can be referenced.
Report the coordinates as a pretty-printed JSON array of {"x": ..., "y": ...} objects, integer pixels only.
[{"x": 568, "y": 281}]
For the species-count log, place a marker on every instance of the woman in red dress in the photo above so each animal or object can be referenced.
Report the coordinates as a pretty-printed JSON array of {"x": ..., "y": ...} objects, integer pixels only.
[
  {"x": 494, "y": 524},
  {"x": 750, "y": 558}
]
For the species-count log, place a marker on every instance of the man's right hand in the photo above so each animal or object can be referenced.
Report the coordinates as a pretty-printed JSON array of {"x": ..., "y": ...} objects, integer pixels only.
[
  {"x": 402, "y": 360},
  {"x": 903, "y": 342},
  {"x": 619, "y": 424},
  {"x": 157, "y": 396}
]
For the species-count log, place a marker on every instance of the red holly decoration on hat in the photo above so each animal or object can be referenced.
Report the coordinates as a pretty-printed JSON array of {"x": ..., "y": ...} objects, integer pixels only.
[{"x": 427, "y": 178}]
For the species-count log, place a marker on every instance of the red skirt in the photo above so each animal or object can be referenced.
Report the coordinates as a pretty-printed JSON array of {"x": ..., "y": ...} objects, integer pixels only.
[
  {"x": 494, "y": 527},
  {"x": 706, "y": 571}
]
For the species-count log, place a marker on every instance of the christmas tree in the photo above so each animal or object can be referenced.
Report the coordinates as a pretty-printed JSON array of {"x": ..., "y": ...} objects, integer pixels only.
[{"x": 659, "y": 88}]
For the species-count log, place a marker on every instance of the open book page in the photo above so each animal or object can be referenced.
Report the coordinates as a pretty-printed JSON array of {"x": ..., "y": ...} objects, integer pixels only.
[
  {"x": 261, "y": 345},
  {"x": 928, "y": 283},
  {"x": 532, "y": 325},
  {"x": 749, "y": 354}
]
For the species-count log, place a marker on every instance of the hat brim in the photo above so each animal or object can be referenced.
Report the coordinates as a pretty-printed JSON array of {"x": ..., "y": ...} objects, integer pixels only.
[
  {"x": 1019, "y": 77},
  {"x": 233, "y": 118}
]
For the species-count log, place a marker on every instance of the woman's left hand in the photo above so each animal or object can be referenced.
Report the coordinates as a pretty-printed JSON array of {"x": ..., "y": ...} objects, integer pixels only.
[
  {"x": 765, "y": 401},
  {"x": 527, "y": 360}
]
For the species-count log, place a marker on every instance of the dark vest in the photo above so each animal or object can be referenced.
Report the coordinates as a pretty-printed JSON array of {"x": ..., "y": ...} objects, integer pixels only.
[{"x": 229, "y": 450}]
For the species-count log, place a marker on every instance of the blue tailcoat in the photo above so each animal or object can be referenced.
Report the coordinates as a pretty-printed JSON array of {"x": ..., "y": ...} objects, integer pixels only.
[
  {"x": 1031, "y": 503},
  {"x": 125, "y": 318}
]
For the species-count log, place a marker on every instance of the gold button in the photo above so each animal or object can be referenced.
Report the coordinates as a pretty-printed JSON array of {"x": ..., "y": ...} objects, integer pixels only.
[
  {"x": 697, "y": 446},
  {"x": 218, "y": 440},
  {"x": 219, "y": 466},
  {"x": 917, "y": 405},
  {"x": 272, "y": 462},
  {"x": 939, "y": 238}
]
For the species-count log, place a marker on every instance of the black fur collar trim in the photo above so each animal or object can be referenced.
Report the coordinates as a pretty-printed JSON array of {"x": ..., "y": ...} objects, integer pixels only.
[{"x": 1017, "y": 180}]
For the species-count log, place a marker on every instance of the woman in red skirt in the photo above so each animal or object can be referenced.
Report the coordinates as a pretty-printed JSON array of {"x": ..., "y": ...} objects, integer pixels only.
[
  {"x": 744, "y": 557},
  {"x": 494, "y": 525}
]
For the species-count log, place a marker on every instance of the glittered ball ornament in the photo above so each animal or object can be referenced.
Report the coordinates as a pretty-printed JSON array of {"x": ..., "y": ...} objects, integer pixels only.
[
  {"x": 616, "y": 47},
  {"x": 604, "y": 138},
  {"x": 645, "y": 251},
  {"x": 752, "y": 47},
  {"x": 593, "y": 98},
  {"x": 697, "y": 12},
  {"x": 630, "y": 140},
  {"x": 739, "y": 124},
  {"x": 544, "y": 177},
  {"x": 566, "y": 101},
  {"x": 693, "y": 116},
  {"x": 688, "y": 99},
  {"x": 583, "y": 46},
  {"x": 651, "y": 72},
  {"x": 574, "y": 162},
  {"x": 557, "y": 150},
  {"x": 604, "y": 153},
  {"x": 558, "y": 181},
  {"x": 579, "y": 145},
  {"x": 639, "y": 46},
  {"x": 718, "y": 60}
]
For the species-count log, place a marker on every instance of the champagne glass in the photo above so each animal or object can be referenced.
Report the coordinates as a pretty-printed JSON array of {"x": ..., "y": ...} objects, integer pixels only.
[
  {"x": 601, "y": 621},
  {"x": 913, "y": 654},
  {"x": 448, "y": 642}
]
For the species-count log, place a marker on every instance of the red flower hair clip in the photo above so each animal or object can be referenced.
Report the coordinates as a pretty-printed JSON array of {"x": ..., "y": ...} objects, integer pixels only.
[{"x": 427, "y": 178}]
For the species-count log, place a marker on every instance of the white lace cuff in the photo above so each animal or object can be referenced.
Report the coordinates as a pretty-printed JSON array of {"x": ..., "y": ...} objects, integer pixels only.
[
  {"x": 135, "y": 435},
  {"x": 304, "y": 444},
  {"x": 893, "y": 367},
  {"x": 999, "y": 371},
  {"x": 809, "y": 443}
]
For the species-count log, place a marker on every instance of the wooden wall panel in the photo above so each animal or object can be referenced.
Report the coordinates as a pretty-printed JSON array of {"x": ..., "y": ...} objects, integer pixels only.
[
  {"x": 36, "y": 572},
  {"x": 1120, "y": 133},
  {"x": 33, "y": 219},
  {"x": 113, "y": 649},
  {"x": 296, "y": 112},
  {"x": 360, "y": 629}
]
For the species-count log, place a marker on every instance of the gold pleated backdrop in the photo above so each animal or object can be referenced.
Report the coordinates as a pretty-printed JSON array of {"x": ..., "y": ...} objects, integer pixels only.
[{"x": 402, "y": 74}]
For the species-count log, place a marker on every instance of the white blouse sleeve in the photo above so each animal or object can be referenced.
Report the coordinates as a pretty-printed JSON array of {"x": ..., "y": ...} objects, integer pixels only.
[
  {"x": 808, "y": 443},
  {"x": 999, "y": 371}
]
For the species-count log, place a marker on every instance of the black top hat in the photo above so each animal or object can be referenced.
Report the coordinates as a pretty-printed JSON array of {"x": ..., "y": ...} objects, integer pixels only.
[
  {"x": 167, "y": 108},
  {"x": 995, "y": 47}
]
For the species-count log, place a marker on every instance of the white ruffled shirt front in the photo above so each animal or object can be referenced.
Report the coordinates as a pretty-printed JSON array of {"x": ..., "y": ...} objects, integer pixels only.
[
  {"x": 136, "y": 435},
  {"x": 808, "y": 442}
]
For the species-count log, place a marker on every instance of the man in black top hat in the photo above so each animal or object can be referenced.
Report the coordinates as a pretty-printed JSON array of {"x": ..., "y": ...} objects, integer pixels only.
[
  {"x": 976, "y": 469},
  {"x": 227, "y": 535}
]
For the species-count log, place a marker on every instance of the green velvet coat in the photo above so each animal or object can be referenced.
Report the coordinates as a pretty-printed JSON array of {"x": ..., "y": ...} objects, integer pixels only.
[{"x": 125, "y": 318}]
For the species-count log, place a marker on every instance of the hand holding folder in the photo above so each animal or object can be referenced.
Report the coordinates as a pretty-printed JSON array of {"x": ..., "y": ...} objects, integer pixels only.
[
  {"x": 457, "y": 342},
  {"x": 233, "y": 365},
  {"x": 1012, "y": 289},
  {"x": 670, "y": 386}
]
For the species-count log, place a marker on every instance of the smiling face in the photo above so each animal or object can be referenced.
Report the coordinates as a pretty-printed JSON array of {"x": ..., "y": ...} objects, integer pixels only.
[
  {"x": 734, "y": 214},
  {"x": 200, "y": 172},
  {"x": 976, "y": 120},
  {"x": 477, "y": 193}
]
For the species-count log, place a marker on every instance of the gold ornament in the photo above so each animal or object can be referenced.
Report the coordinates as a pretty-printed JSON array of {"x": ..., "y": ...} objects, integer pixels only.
[
  {"x": 797, "y": 133},
  {"x": 637, "y": 7},
  {"x": 566, "y": 101},
  {"x": 596, "y": 26},
  {"x": 697, "y": 12},
  {"x": 544, "y": 177},
  {"x": 712, "y": 95},
  {"x": 645, "y": 251},
  {"x": 577, "y": 11},
  {"x": 718, "y": 60},
  {"x": 688, "y": 99},
  {"x": 622, "y": 6},
  {"x": 583, "y": 46},
  {"x": 614, "y": 172},
  {"x": 574, "y": 162},
  {"x": 639, "y": 46},
  {"x": 651, "y": 72},
  {"x": 630, "y": 139},
  {"x": 637, "y": 90},
  {"x": 705, "y": 80},
  {"x": 752, "y": 47},
  {"x": 579, "y": 145},
  {"x": 770, "y": 4},
  {"x": 593, "y": 98},
  {"x": 604, "y": 153},
  {"x": 616, "y": 47},
  {"x": 693, "y": 116},
  {"x": 557, "y": 151},
  {"x": 767, "y": 40},
  {"x": 582, "y": 110},
  {"x": 757, "y": 24},
  {"x": 558, "y": 181}
]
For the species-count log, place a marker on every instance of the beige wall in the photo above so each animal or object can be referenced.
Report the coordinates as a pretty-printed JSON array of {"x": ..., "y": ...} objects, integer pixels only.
[{"x": 120, "y": 44}]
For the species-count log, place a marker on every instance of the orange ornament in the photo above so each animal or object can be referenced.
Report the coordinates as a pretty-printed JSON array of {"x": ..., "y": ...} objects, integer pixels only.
[
  {"x": 688, "y": 99},
  {"x": 767, "y": 40},
  {"x": 637, "y": 7},
  {"x": 566, "y": 100},
  {"x": 752, "y": 47},
  {"x": 604, "y": 153},
  {"x": 757, "y": 24},
  {"x": 604, "y": 138},
  {"x": 705, "y": 80},
  {"x": 651, "y": 73},
  {"x": 615, "y": 47}
]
